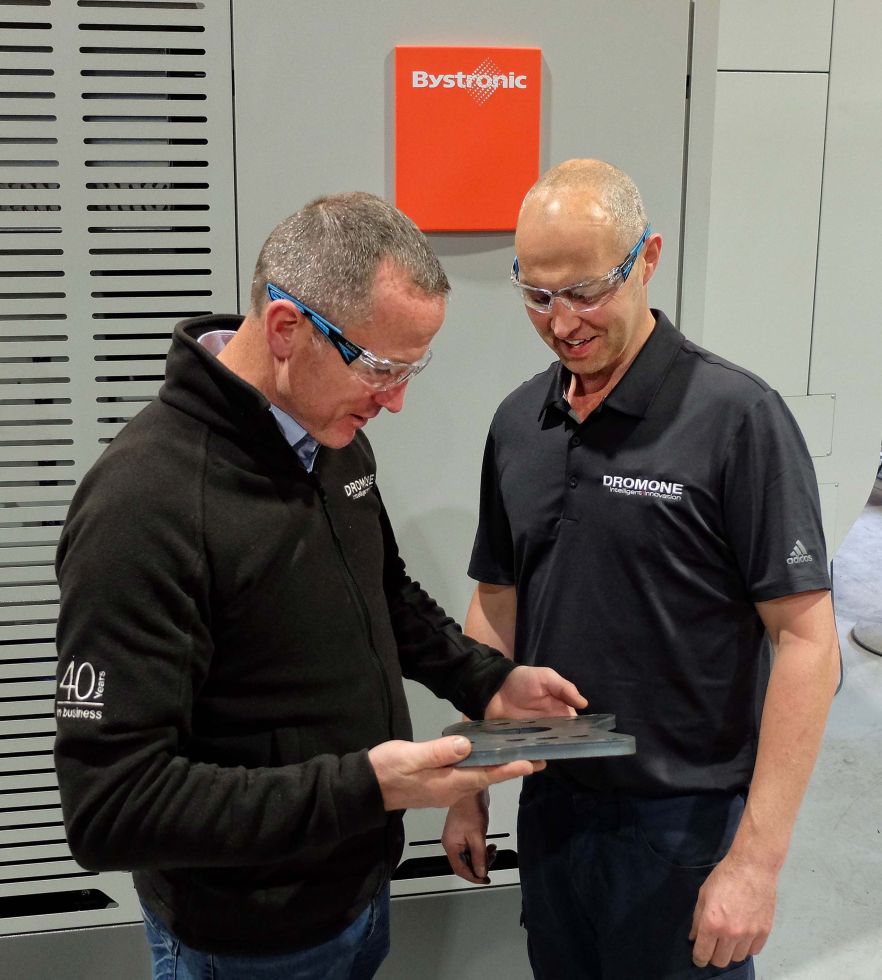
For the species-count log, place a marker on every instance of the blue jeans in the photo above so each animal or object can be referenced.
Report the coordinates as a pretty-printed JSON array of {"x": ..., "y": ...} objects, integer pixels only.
[
  {"x": 354, "y": 954},
  {"x": 610, "y": 883}
]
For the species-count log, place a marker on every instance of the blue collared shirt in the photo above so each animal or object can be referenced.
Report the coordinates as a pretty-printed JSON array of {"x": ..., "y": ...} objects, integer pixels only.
[{"x": 295, "y": 435}]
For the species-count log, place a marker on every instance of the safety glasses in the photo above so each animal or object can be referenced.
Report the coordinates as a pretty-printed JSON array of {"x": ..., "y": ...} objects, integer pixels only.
[
  {"x": 581, "y": 296},
  {"x": 375, "y": 371}
]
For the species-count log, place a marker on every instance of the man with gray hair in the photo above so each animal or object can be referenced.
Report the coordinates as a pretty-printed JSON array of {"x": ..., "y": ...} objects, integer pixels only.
[
  {"x": 230, "y": 579},
  {"x": 649, "y": 519}
]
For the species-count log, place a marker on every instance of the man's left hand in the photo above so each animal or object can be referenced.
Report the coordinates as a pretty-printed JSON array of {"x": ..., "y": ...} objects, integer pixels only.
[
  {"x": 734, "y": 913},
  {"x": 534, "y": 692}
]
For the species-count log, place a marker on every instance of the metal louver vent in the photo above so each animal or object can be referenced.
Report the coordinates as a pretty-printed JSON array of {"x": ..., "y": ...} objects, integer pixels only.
[{"x": 116, "y": 220}]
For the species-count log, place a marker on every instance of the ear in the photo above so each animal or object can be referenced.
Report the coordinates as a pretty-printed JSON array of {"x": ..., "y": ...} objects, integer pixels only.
[
  {"x": 283, "y": 324},
  {"x": 651, "y": 253}
]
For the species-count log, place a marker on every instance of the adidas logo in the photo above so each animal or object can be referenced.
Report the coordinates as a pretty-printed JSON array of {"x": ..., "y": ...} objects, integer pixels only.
[{"x": 799, "y": 555}]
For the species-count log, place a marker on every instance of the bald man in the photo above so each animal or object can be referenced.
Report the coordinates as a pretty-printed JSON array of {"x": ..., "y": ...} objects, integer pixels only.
[{"x": 649, "y": 521}]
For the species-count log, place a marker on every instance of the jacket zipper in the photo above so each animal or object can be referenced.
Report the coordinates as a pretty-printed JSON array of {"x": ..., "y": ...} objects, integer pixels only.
[
  {"x": 362, "y": 606},
  {"x": 391, "y": 824}
]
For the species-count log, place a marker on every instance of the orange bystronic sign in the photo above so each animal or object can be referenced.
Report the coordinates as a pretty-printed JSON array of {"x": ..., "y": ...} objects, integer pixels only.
[{"x": 466, "y": 135}]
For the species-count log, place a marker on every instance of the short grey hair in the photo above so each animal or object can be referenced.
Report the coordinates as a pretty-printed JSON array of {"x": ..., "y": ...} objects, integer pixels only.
[
  {"x": 612, "y": 188},
  {"x": 327, "y": 254}
]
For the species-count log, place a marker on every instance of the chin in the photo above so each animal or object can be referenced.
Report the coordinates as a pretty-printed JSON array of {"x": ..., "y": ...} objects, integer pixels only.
[{"x": 338, "y": 439}]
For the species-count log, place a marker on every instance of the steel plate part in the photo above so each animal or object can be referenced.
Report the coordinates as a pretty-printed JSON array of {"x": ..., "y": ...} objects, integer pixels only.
[{"x": 506, "y": 740}]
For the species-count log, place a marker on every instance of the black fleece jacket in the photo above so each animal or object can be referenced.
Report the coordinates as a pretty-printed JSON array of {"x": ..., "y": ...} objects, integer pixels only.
[{"x": 232, "y": 638}]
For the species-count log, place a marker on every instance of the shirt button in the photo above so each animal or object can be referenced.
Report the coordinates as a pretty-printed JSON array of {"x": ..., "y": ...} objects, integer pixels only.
[
  {"x": 575, "y": 441},
  {"x": 573, "y": 482}
]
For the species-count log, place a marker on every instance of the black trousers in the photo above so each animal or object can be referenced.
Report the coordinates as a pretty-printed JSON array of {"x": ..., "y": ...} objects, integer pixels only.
[{"x": 610, "y": 883}]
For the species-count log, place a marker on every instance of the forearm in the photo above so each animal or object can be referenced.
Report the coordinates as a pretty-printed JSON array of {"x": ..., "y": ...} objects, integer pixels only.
[
  {"x": 431, "y": 647},
  {"x": 492, "y": 615},
  {"x": 132, "y": 809},
  {"x": 490, "y": 619},
  {"x": 797, "y": 702},
  {"x": 433, "y": 650}
]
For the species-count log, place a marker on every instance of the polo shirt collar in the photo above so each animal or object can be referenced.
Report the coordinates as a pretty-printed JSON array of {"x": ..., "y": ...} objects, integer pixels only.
[{"x": 637, "y": 388}]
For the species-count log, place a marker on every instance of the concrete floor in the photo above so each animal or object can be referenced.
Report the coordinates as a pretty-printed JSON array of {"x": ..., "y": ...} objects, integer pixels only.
[{"x": 829, "y": 922}]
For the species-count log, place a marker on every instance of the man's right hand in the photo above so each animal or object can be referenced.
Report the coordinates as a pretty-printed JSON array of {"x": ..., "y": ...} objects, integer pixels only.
[
  {"x": 421, "y": 774},
  {"x": 465, "y": 838}
]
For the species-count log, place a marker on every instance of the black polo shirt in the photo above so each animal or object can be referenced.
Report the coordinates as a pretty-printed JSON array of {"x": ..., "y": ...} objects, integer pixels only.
[{"x": 639, "y": 541}]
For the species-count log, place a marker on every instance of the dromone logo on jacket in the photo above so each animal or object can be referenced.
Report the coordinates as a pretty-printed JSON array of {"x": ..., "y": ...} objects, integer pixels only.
[{"x": 358, "y": 488}]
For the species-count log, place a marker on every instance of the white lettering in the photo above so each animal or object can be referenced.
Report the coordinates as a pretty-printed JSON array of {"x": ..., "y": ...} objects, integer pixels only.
[
  {"x": 84, "y": 684},
  {"x": 78, "y": 713},
  {"x": 425, "y": 79},
  {"x": 67, "y": 682},
  {"x": 643, "y": 486},
  {"x": 78, "y": 682},
  {"x": 358, "y": 488}
]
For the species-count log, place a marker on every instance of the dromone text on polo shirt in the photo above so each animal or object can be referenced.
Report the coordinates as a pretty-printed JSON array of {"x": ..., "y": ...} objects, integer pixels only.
[{"x": 640, "y": 486}]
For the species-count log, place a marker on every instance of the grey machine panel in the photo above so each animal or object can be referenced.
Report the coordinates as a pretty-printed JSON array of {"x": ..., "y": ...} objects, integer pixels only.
[
  {"x": 783, "y": 152},
  {"x": 117, "y": 219}
]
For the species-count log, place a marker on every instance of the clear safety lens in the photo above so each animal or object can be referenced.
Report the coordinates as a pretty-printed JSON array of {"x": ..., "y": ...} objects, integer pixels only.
[
  {"x": 580, "y": 298},
  {"x": 382, "y": 374}
]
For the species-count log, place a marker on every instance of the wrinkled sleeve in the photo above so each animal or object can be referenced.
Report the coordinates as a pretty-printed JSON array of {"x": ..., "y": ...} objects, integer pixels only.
[{"x": 432, "y": 648}]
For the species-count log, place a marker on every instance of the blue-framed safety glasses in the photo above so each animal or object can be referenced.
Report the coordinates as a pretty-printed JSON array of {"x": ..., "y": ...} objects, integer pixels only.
[{"x": 375, "y": 371}]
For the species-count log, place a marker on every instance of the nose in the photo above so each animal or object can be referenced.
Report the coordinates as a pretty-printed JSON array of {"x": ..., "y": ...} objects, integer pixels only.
[
  {"x": 563, "y": 319},
  {"x": 392, "y": 399}
]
